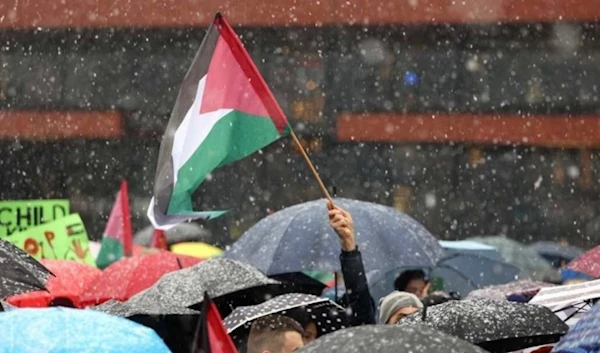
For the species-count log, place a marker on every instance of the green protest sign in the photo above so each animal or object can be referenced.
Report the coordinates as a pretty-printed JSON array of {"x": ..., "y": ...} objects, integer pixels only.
[
  {"x": 19, "y": 215},
  {"x": 64, "y": 239}
]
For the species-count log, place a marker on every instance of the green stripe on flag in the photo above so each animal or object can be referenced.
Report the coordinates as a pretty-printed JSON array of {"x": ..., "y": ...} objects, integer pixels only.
[
  {"x": 235, "y": 136},
  {"x": 111, "y": 250}
]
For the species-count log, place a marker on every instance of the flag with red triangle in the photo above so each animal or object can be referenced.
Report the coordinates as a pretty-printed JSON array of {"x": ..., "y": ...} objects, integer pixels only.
[
  {"x": 117, "y": 239},
  {"x": 159, "y": 240},
  {"x": 211, "y": 335},
  {"x": 223, "y": 113}
]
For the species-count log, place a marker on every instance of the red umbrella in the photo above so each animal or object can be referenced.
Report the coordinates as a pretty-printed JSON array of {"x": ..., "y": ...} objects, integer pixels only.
[
  {"x": 588, "y": 263},
  {"x": 131, "y": 275},
  {"x": 69, "y": 281}
]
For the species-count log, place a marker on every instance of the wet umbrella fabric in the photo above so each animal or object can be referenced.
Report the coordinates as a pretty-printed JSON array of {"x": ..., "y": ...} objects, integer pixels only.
[
  {"x": 300, "y": 238},
  {"x": 459, "y": 273},
  {"x": 62, "y": 330},
  {"x": 556, "y": 252},
  {"x": 69, "y": 281},
  {"x": 129, "y": 309},
  {"x": 497, "y": 326},
  {"x": 389, "y": 339},
  {"x": 219, "y": 277},
  {"x": 532, "y": 265},
  {"x": 19, "y": 272},
  {"x": 588, "y": 263},
  {"x": 524, "y": 288},
  {"x": 129, "y": 276},
  {"x": 569, "y": 302},
  {"x": 584, "y": 337},
  {"x": 327, "y": 315}
]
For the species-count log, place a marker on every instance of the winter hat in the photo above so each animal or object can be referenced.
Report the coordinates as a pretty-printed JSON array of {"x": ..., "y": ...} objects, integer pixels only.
[{"x": 394, "y": 301}]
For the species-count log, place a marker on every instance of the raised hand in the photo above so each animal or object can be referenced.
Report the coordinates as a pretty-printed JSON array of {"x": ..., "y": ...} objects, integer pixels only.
[{"x": 341, "y": 221}]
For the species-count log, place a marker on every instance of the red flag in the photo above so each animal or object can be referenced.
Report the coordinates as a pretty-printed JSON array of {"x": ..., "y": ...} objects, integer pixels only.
[
  {"x": 127, "y": 231},
  {"x": 159, "y": 240},
  {"x": 212, "y": 336},
  {"x": 117, "y": 240}
]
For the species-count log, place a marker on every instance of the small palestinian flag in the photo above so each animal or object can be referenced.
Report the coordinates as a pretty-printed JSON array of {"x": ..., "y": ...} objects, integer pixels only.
[
  {"x": 224, "y": 112},
  {"x": 117, "y": 240}
]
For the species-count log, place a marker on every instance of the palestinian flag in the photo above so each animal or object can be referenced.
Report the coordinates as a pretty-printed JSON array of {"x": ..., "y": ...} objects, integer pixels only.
[
  {"x": 224, "y": 112},
  {"x": 117, "y": 239}
]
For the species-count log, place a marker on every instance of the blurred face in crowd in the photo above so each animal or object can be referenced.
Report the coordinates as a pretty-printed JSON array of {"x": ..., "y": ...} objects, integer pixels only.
[
  {"x": 292, "y": 342},
  {"x": 310, "y": 333},
  {"x": 275, "y": 334},
  {"x": 416, "y": 286},
  {"x": 401, "y": 313}
]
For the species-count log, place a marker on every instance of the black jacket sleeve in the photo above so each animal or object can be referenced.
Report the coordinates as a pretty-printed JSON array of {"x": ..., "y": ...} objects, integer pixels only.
[{"x": 357, "y": 289}]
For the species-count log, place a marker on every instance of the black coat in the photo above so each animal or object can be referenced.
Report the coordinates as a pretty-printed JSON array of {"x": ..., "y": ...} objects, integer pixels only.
[{"x": 358, "y": 297}]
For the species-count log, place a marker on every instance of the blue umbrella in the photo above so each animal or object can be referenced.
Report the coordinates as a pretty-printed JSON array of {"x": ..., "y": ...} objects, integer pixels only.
[
  {"x": 300, "y": 238},
  {"x": 453, "y": 247},
  {"x": 584, "y": 336},
  {"x": 62, "y": 330},
  {"x": 458, "y": 273},
  {"x": 556, "y": 253}
]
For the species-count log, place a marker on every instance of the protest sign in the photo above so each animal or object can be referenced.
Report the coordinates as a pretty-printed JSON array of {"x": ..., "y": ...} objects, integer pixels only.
[
  {"x": 19, "y": 215},
  {"x": 64, "y": 239}
]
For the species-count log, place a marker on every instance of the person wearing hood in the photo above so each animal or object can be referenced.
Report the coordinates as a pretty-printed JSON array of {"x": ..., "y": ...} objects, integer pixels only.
[
  {"x": 358, "y": 296},
  {"x": 397, "y": 305}
]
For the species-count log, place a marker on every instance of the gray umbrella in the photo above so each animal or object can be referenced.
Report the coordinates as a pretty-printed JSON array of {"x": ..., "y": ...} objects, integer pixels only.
[
  {"x": 129, "y": 309},
  {"x": 498, "y": 326},
  {"x": 300, "y": 238},
  {"x": 532, "y": 265},
  {"x": 182, "y": 232},
  {"x": 242, "y": 284},
  {"x": 19, "y": 272},
  {"x": 389, "y": 339}
]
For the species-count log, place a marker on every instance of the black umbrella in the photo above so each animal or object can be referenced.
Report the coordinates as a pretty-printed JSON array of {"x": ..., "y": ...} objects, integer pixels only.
[
  {"x": 19, "y": 272},
  {"x": 389, "y": 339},
  {"x": 131, "y": 309},
  {"x": 497, "y": 326},
  {"x": 172, "y": 323},
  {"x": 300, "y": 283},
  {"x": 229, "y": 282}
]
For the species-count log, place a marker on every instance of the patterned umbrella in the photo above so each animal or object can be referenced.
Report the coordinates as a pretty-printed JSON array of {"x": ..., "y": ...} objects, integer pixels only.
[
  {"x": 497, "y": 326},
  {"x": 327, "y": 315},
  {"x": 389, "y": 339},
  {"x": 588, "y": 263},
  {"x": 503, "y": 291},
  {"x": 584, "y": 337},
  {"x": 570, "y": 302}
]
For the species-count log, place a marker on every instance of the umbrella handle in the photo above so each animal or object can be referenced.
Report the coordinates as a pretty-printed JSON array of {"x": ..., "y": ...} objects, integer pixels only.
[{"x": 335, "y": 276}]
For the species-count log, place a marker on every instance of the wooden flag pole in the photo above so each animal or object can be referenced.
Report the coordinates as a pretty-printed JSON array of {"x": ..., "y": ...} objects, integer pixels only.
[{"x": 312, "y": 167}]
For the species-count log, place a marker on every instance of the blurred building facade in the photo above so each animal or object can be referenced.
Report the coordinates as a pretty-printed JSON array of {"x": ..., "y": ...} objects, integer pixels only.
[{"x": 475, "y": 117}]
